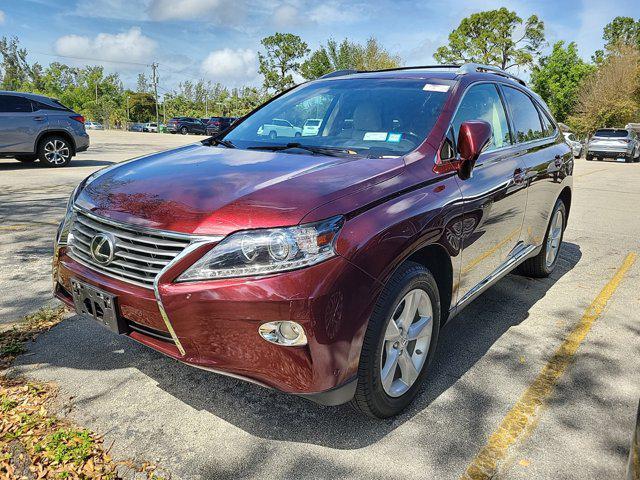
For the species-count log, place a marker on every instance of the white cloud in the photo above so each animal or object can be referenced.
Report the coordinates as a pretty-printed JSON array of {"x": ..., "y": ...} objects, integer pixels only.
[
  {"x": 285, "y": 15},
  {"x": 128, "y": 46},
  {"x": 2, "y": 17},
  {"x": 214, "y": 11},
  {"x": 334, "y": 11},
  {"x": 232, "y": 67}
]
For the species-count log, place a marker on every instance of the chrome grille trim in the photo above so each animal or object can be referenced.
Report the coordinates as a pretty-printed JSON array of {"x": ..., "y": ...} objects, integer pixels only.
[{"x": 140, "y": 253}]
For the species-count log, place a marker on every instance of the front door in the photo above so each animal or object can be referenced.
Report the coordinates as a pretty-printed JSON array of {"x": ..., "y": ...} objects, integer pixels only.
[
  {"x": 19, "y": 124},
  {"x": 495, "y": 196}
]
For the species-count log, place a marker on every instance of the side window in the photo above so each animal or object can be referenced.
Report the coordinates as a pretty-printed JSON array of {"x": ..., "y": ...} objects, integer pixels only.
[
  {"x": 548, "y": 129},
  {"x": 482, "y": 102},
  {"x": 525, "y": 116},
  {"x": 14, "y": 104}
]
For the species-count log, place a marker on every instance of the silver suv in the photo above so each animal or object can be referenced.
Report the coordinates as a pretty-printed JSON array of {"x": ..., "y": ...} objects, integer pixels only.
[
  {"x": 614, "y": 143},
  {"x": 35, "y": 127}
]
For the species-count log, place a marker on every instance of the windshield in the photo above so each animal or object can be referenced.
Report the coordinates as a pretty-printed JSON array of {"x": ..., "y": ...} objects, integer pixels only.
[
  {"x": 611, "y": 133},
  {"x": 372, "y": 117}
]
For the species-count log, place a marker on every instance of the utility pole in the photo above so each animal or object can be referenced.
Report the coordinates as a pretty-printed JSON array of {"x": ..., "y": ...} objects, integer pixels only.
[
  {"x": 154, "y": 67},
  {"x": 206, "y": 105}
]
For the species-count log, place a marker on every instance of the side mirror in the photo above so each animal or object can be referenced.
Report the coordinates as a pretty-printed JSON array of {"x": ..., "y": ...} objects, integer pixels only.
[{"x": 473, "y": 136}]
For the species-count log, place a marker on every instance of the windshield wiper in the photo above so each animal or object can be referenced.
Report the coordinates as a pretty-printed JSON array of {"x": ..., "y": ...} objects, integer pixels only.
[
  {"x": 224, "y": 143},
  {"x": 330, "y": 151}
]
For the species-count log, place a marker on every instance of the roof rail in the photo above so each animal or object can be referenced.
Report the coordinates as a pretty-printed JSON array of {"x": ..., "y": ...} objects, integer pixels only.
[
  {"x": 339, "y": 73},
  {"x": 478, "y": 67},
  {"x": 460, "y": 69}
]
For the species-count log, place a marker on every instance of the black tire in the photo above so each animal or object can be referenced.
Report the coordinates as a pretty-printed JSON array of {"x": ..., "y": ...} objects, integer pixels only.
[
  {"x": 273, "y": 134},
  {"x": 26, "y": 158},
  {"x": 537, "y": 267},
  {"x": 589, "y": 157},
  {"x": 55, "y": 143},
  {"x": 184, "y": 130},
  {"x": 370, "y": 397}
]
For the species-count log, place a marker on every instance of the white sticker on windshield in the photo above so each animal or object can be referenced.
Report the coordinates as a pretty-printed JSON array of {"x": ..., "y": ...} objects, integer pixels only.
[
  {"x": 430, "y": 87},
  {"x": 376, "y": 136}
]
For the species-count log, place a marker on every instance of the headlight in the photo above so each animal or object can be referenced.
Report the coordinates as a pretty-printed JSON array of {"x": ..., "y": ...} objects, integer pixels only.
[
  {"x": 63, "y": 229},
  {"x": 264, "y": 251}
]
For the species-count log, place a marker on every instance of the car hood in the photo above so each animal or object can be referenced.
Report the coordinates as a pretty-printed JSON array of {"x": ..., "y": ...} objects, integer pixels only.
[{"x": 213, "y": 190}]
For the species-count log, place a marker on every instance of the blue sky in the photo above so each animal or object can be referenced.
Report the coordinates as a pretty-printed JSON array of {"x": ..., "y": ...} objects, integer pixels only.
[{"x": 219, "y": 39}]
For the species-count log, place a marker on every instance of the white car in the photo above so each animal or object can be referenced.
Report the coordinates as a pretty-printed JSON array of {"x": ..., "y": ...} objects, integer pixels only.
[
  {"x": 93, "y": 126},
  {"x": 574, "y": 143},
  {"x": 311, "y": 127},
  {"x": 279, "y": 128},
  {"x": 150, "y": 127}
]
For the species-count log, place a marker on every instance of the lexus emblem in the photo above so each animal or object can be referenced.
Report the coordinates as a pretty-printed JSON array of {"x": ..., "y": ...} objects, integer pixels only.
[{"x": 103, "y": 248}]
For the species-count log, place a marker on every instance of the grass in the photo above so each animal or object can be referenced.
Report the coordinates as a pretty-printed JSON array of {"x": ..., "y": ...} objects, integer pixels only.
[{"x": 34, "y": 442}]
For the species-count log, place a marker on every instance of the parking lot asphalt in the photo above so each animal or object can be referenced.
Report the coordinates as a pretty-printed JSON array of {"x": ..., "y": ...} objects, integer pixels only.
[{"x": 199, "y": 425}]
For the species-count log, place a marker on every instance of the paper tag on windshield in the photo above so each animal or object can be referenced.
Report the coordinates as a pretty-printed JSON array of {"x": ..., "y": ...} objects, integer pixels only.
[
  {"x": 375, "y": 136},
  {"x": 431, "y": 87}
]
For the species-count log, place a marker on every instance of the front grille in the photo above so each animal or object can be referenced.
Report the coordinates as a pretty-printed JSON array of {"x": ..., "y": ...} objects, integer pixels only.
[{"x": 138, "y": 256}]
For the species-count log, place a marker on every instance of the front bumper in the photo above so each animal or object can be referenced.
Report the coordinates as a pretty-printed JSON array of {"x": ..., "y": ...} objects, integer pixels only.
[{"x": 216, "y": 323}]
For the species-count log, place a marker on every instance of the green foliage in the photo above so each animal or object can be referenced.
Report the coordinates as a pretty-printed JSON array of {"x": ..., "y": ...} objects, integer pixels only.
[
  {"x": 142, "y": 107},
  {"x": 488, "y": 37},
  {"x": 348, "y": 55},
  {"x": 282, "y": 59},
  {"x": 622, "y": 30},
  {"x": 15, "y": 71},
  {"x": 68, "y": 445},
  {"x": 557, "y": 78}
]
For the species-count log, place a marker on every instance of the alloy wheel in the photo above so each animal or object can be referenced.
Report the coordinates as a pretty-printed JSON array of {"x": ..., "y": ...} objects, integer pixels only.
[
  {"x": 56, "y": 152},
  {"x": 554, "y": 238},
  {"x": 406, "y": 343}
]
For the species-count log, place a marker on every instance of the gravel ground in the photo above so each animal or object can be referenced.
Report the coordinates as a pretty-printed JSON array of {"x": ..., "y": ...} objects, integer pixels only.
[{"x": 199, "y": 425}]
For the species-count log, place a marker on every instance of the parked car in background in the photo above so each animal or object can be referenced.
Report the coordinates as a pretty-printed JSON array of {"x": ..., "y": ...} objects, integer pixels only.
[
  {"x": 325, "y": 266},
  {"x": 35, "y": 127},
  {"x": 93, "y": 126},
  {"x": 311, "y": 127},
  {"x": 150, "y": 127},
  {"x": 216, "y": 125},
  {"x": 186, "y": 125},
  {"x": 136, "y": 127},
  {"x": 614, "y": 143},
  {"x": 574, "y": 143},
  {"x": 279, "y": 127}
]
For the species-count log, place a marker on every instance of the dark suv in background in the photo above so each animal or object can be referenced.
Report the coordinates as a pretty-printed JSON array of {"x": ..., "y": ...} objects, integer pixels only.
[
  {"x": 186, "y": 125},
  {"x": 216, "y": 125},
  {"x": 35, "y": 127},
  {"x": 325, "y": 265}
]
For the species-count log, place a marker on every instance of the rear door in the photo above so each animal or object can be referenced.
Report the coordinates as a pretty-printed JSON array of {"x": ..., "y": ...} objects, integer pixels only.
[
  {"x": 19, "y": 124},
  {"x": 546, "y": 158},
  {"x": 494, "y": 197}
]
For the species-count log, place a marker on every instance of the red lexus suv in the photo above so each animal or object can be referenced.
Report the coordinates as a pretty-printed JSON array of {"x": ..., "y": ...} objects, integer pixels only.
[{"x": 324, "y": 263}]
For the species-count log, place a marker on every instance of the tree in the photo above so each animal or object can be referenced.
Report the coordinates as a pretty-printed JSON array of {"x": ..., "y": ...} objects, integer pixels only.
[
  {"x": 348, "y": 55},
  {"x": 610, "y": 97},
  {"x": 15, "y": 71},
  {"x": 558, "y": 76},
  {"x": 488, "y": 37},
  {"x": 282, "y": 59},
  {"x": 622, "y": 30}
]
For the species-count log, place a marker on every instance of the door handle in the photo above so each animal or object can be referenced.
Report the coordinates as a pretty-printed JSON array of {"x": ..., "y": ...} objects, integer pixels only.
[
  {"x": 519, "y": 176},
  {"x": 557, "y": 161},
  {"x": 38, "y": 119}
]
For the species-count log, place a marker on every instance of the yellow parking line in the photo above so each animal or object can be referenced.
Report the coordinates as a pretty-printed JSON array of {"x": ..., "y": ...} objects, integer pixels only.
[
  {"x": 589, "y": 173},
  {"x": 12, "y": 228},
  {"x": 521, "y": 419}
]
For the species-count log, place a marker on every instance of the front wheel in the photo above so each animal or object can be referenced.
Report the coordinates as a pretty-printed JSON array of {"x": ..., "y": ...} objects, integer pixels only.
[
  {"x": 543, "y": 264},
  {"x": 55, "y": 151},
  {"x": 184, "y": 130},
  {"x": 399, "y": 343}
]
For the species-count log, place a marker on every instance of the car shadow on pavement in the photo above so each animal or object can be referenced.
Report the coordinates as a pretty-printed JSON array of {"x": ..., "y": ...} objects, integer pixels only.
[{"x": 81, "y": 344}]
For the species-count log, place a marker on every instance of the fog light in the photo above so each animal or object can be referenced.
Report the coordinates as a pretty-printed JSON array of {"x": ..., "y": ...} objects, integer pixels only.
[{"x": 283, "y": 333}]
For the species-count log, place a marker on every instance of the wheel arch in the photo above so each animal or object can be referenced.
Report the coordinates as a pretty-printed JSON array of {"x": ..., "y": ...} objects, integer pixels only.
[
  {"x": 53, "y": 133},
  {"x": 565, "y": 196}
]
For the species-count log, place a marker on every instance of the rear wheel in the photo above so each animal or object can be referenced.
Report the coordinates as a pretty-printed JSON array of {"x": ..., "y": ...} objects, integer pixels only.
[
  {"x": 26, "y": 158},
  {"x": 589, "y": 157},
  {"x": 543, "y": 264},
  {"x": 55, "y": 151},
  {"x": 399, "y": 343}
]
